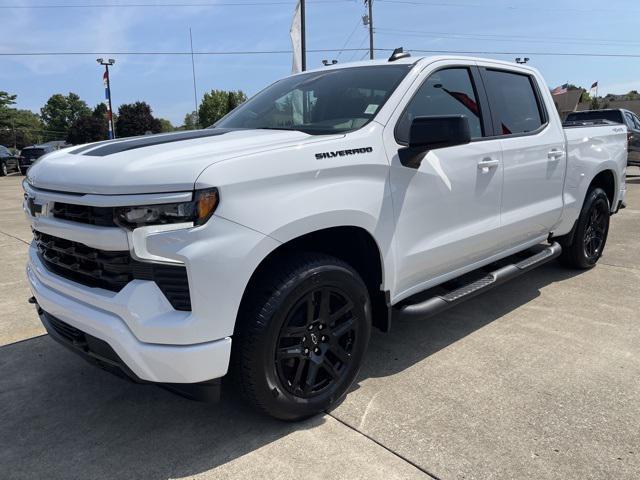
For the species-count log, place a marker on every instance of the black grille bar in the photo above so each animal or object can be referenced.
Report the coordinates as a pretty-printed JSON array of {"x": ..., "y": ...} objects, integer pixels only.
[
  {"x": 111, "y": 270},
  {"x": 100, "y": 216}
]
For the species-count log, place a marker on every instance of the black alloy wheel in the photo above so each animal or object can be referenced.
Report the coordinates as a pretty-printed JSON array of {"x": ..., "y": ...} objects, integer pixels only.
[
  {"x": 596, "y": 231},
  {"x": 314, "y": 347},
  {"x": 301, "y": 335},
  {"x": 585, "y": 246}
]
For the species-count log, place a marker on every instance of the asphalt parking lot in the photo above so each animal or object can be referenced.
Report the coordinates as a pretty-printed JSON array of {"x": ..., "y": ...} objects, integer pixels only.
[{"x": 539, "y": 378}]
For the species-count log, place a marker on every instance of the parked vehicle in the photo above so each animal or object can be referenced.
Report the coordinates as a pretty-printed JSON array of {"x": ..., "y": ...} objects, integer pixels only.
[
  {"x": 333, "y": 201},
  {"x": 29, "y": 155},
  {"x": 620, "y": 115},
  {"x": 8, "y": 162}
]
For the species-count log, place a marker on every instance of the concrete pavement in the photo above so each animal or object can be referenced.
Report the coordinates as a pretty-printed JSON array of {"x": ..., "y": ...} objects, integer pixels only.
[{"x": 539, "y": 378}]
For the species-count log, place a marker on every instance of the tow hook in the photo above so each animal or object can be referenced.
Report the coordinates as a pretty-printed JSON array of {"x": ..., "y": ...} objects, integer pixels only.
[{"x": 33, "y": 301}]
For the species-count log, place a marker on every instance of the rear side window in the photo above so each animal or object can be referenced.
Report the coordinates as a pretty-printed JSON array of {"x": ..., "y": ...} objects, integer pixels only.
[
  {"x": 445, "y": 92},
  {"x": 514, "y": 102}
]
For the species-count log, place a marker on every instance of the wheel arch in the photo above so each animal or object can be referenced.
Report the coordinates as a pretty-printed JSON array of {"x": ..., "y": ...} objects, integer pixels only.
[
  {"x": 352, "y": 244},
  {"x": 605, "y": 179}
]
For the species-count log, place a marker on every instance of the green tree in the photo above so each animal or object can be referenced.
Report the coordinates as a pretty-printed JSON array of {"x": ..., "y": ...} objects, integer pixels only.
[
  {"x": 60, "y": 112},
  {"x": 165, "y": 125},
  {"x": 90, "y": 128},
  {"x": 213, "y": 107},
  {"x": 191, "y": 121},
  {"x": 136, "y": 119},
  {"x": 234, "y": 99},
  {"x": 6, "y": 100},
  {"x": 22, "y": 128},
  {"x": 217, "y": 103}
]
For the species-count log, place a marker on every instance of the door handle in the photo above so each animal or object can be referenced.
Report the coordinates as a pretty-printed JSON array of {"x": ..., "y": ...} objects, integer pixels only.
[
  {"x": 487, "y": 163},
  {"x": 555, "y": 155}
]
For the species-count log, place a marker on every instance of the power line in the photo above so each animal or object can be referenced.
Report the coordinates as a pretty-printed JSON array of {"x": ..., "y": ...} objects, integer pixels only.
[
  {"x": 324, "y": 50},
  {"x": 349, "y": 37},
  {"x": 234, "y": 52},
  {"x": 509, "y": 7},
  {"x": 509, "y": 38},
  {"x": 162, "y": 5}
]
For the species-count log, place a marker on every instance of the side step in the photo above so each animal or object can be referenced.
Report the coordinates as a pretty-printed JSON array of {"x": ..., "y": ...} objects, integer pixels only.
[{"x": 438, "y": 303}]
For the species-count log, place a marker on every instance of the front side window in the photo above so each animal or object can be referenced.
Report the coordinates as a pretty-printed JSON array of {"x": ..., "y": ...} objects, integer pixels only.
[
  {"x": 445, "y": 92},
  {"x": 325, "y": 102},
  {"x": 513, "y": 101}
]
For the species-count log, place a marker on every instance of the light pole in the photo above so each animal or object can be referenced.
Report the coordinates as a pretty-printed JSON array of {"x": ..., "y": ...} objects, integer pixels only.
[{"x": 107, "y": 92}]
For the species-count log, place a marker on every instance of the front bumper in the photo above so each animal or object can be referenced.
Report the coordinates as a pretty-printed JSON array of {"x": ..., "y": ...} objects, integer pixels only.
[{"x": 159, "y": 363}]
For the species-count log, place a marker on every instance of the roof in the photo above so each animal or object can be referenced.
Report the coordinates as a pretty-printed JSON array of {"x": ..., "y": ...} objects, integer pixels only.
[{"x": 424, "y": 59}]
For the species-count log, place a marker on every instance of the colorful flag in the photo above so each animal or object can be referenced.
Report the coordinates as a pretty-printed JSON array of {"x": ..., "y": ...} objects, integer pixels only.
[
  {"x": 595, "y": 85},
  {"x": 296, "y": 39},
  {"x": 560, "y": 90}
]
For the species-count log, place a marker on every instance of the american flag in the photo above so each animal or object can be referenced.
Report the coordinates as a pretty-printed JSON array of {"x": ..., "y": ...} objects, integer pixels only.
[{"x": 560, "y": 90}]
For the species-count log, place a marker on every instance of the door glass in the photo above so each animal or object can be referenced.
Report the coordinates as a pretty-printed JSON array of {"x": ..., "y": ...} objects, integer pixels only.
[
  {"x": 446, "y": 92},
  {"x": 513, "y": 102}
]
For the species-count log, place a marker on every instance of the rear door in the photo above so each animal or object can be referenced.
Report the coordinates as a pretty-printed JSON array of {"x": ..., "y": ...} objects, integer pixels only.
[
  {"x": 447, "y": 209},
  {"x": 633, "y": 124},
  {"x": 533, "y": 153}
]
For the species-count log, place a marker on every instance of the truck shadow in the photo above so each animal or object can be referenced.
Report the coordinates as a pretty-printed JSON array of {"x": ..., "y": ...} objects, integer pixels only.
[{"x": 62, "y": 418}]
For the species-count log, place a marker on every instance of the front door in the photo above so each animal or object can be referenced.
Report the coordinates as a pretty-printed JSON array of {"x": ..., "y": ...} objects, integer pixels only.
[{"x": 448, "y": 209}]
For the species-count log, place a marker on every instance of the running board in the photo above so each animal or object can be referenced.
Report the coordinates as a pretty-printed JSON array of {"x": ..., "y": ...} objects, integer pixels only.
[{"x": 439, "y": 303}]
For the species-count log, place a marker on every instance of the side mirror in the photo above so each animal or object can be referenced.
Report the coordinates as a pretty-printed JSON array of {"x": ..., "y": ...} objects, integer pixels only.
[{"x": 429, "y": 133}]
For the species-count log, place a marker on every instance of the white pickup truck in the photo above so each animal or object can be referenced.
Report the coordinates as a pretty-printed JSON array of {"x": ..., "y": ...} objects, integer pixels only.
[{"x": 268, "y": 245}]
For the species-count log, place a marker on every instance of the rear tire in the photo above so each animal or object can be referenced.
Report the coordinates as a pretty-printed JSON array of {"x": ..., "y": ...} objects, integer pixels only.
[
  {"x": 3, "y": 169},
  {"x": 301, "y": 336},
  {"x": 590, "y": 237}
]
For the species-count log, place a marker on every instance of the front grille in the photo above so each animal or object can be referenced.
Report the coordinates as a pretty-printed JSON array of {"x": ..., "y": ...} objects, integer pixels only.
[
  {"x": 101, "y": 216},
  {"x": 111, "y": 270}
]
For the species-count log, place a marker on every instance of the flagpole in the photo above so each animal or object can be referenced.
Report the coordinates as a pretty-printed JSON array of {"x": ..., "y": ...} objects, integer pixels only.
[
  {"x": 303, "y": 35},
  {"x": 370, "y": 2},
  {"x": 110, "y": 61}
]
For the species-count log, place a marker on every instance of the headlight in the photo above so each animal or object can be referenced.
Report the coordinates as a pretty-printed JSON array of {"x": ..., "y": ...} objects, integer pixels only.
[{"x": 198, "y": 211}]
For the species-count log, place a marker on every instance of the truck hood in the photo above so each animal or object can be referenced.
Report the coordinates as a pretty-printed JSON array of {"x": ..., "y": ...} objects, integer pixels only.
[{"x": 153, "y": 163}]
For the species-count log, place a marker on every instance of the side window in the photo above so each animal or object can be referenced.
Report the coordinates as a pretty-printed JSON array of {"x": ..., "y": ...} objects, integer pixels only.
[
  {"x": 445, "y": 92},
  {"x": 514, "y": 103},
  {"x": 629, "y": 119},
  {"x": 636, "y": 120}
]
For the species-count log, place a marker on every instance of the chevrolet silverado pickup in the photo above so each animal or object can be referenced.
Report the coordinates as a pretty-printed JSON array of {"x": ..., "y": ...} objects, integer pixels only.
[{"x": 266, "y": 247}]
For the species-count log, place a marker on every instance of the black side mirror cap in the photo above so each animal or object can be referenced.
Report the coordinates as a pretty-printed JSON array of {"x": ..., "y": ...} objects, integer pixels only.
[{"x": 430, "y": 133}]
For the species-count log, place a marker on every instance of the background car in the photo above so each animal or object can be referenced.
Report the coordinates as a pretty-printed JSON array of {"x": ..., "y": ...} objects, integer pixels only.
[
  {"x": 28, "y": 155},
  {"x": 8, "y": 162},
  {"x": 620, "y": 115}
]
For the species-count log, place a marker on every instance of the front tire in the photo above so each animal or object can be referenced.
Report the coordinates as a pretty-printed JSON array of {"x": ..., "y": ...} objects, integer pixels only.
[
  {"x": 301, "y": 336},
  {"x": 591, "y": 232}
]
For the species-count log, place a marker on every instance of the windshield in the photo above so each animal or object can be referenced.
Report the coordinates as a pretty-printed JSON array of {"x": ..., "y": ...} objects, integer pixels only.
[
  {"x": 318, "y": 103},
  {"x": 32, "y": 152},
  {"x": 611, "y": 115}
]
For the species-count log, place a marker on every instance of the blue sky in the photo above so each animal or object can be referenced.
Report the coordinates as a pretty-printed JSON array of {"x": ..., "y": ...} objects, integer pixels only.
[{"x": 165, "y": 82}]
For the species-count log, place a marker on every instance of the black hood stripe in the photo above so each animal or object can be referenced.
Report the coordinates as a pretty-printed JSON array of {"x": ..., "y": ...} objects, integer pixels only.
[{"x": 116, "y": 146}]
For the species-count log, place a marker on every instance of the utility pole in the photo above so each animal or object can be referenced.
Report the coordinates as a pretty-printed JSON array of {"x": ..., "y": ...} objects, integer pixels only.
[
  {"x": 303, "y": 34},
  {"x": 195, "y": 90},
  {"x": 109, "y": 62},
  {"x": 370, "y": 4}
]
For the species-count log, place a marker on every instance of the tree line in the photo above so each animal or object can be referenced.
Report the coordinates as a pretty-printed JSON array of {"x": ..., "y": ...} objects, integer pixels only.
[{"x": 69, "y": 118}]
